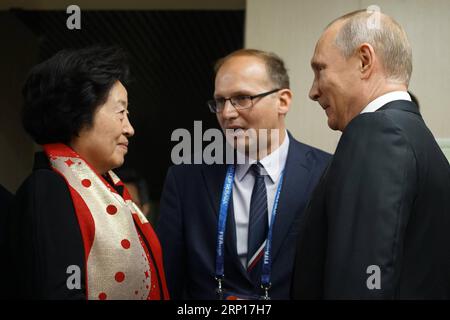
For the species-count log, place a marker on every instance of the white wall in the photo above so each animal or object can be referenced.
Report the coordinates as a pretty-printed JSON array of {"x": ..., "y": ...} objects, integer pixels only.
[{"x": 291, "y": 28}]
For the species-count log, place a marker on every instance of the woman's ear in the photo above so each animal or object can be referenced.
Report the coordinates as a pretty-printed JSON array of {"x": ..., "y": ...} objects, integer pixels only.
[{"x": 285, "y": 98}]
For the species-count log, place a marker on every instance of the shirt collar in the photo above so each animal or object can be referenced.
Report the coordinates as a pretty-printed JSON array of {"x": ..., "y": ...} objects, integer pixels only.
[
  {"x": 273, "y": 163},
  {"x": 386, "y": 98}
]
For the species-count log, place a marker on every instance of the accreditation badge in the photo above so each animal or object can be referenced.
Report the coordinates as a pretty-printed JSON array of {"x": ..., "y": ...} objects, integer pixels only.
[{"x": 231, "y": 295}]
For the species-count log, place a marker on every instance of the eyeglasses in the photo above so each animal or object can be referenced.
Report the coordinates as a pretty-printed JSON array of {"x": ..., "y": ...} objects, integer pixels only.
[{"x": 238, "y": 102}]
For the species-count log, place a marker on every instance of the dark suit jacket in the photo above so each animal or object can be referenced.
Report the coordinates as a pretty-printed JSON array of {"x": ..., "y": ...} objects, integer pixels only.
[
  {"x": 188, "y": 225},
  {"x": 6, "y": 199},
  {"x": 384, "y": 201},
  {"x": 44, "y": 237}
]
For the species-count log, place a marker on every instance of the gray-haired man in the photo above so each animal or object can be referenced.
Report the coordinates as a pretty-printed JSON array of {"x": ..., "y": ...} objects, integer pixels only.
[{"x": 377, "y": 226}]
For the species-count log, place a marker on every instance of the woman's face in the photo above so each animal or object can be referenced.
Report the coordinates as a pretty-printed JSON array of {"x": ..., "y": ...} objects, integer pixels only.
[{"x": 105, "y": 143}]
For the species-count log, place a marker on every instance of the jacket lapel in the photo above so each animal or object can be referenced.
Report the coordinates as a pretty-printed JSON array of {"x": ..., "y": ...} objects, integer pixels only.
[
  {"x": 214, "y": 177},
  {"x": 296, "y": 182}
]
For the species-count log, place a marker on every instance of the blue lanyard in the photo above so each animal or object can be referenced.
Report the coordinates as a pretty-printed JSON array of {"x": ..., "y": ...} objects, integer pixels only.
[
  {"x": 226, "y": 195},
  {"x": 224, "y": 204}
]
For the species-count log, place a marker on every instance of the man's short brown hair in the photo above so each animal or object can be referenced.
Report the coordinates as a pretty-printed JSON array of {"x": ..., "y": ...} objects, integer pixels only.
[{"x": 274, "y": 64}]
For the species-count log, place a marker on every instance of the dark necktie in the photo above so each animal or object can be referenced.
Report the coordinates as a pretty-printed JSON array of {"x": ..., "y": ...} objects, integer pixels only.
[{"x": 258, "y": 221}]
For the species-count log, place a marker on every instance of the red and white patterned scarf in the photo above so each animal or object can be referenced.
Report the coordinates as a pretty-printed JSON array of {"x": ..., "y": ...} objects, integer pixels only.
[{"x": 123, "y": 258}]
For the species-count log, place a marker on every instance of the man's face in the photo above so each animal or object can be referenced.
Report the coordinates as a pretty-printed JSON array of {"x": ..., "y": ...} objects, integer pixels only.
[
  {"x": 336, "y": 84},
  {"x": 247, "y": 76}
]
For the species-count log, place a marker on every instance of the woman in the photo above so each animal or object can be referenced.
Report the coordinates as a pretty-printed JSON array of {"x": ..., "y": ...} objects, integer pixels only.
[{"x": 76, "y": 232}]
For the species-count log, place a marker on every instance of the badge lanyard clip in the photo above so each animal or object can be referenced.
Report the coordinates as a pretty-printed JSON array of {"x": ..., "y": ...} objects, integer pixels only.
[
  {"x": 266, "y": 291},
  {"x": 219, "y": 290}
]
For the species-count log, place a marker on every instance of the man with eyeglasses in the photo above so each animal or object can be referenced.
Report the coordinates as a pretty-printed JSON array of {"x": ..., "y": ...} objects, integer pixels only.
[{"x": 228, "y": 231}]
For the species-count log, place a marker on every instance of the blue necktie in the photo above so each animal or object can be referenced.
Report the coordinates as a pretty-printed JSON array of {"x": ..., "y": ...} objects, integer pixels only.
[{"x": 258, "y": 221}]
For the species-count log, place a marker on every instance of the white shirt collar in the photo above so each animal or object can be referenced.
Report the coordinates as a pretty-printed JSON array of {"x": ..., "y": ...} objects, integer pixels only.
[
  {"x": 386, "y": 98},
  {"x": 273, "y": 163}
]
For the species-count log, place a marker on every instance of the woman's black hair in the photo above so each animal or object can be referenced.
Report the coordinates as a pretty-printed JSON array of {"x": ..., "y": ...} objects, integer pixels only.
[{"x": 62, "y": 93}]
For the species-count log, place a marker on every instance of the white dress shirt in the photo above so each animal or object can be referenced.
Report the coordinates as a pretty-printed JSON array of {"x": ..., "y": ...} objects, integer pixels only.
[
  {"x": 242, "y": 192},
  {"x": 386, "y": 98}
]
